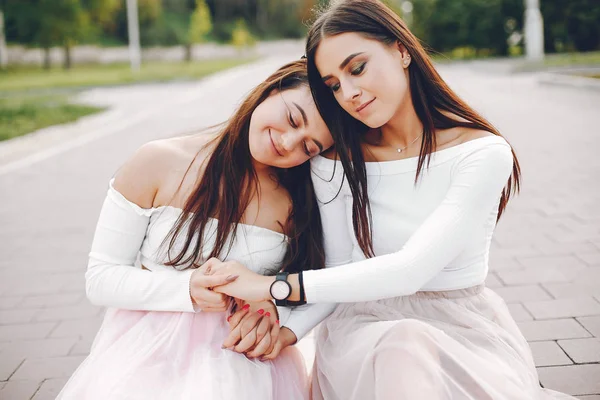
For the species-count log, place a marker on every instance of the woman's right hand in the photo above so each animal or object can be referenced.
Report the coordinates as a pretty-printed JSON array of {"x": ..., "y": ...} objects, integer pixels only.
[
  {"x": 254, "y": 329},
  {"x": 201, "y": 291}
]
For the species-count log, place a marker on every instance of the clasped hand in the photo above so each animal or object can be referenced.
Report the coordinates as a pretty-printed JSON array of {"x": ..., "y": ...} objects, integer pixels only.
[{"x": 255, "y": 329}]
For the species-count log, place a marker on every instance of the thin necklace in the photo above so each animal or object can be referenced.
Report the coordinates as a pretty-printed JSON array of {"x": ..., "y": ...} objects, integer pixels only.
[{"x": 401, "y": 149}]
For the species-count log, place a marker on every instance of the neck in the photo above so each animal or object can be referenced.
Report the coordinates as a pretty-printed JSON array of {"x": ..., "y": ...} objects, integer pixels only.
[{"x": 403, "y": 128}]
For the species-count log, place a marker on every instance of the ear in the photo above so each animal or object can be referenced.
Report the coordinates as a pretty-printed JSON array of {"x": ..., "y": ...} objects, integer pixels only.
[{"x": 403, "y": 54}]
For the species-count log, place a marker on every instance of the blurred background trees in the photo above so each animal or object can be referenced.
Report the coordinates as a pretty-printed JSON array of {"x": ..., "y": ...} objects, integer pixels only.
[{"x": 462, "y": 28}]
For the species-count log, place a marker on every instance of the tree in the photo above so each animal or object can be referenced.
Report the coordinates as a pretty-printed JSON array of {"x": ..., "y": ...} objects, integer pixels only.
[
  {"x": 200, "y": 26},
  {"x": 3, "y": 50}
]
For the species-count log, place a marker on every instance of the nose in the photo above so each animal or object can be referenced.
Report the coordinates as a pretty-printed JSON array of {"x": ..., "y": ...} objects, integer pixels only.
[
  {"x": 290, "y": 140},
  {"x": 351, "y": 92}
]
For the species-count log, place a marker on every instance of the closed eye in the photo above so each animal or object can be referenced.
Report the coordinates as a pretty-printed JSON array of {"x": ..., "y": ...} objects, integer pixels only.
[
  {"x": 306, "y": 149},
  {"x": 358, "y": 69},
  {"x": 335, "y": 87},
  {"x": 292, "y": 123}
]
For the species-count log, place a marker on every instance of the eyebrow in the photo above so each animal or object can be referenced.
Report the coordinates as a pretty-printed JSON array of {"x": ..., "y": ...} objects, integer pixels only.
[
  {"x": 343, "y": 64},
  {"x": 303, "y": 114}
]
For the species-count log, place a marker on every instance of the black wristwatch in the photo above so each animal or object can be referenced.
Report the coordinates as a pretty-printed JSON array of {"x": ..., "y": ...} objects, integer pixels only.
[{"x": 281, "y": 290}]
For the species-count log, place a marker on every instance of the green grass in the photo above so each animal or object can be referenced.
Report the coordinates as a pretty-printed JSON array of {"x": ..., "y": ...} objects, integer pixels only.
[
  {"x": 32, "y": 98},
  {"x": 18, "y": 79},
  {"x": 21, "y": 115},
  {"x": 572, "y": 59}
]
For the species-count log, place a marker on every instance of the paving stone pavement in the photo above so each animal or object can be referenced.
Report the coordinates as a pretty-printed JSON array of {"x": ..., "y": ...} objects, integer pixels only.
[{"x": 545, "y": 259}]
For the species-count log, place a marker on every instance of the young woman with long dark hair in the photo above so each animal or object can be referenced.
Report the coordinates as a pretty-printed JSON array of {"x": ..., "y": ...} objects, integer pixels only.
[
  {"x": 244, "y": 193},
  {"x": 410, "y": 199}
]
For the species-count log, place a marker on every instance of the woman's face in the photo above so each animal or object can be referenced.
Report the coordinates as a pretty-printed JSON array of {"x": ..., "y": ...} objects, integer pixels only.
[
  {"x": 286, "y": 129},
  {"x": 368, "y": 78}
]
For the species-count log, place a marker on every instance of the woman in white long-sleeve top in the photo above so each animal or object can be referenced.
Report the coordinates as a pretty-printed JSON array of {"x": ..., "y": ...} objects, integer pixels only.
[
  {"x": 409, "y": 202},
  {"x": 244, "y": 194}
]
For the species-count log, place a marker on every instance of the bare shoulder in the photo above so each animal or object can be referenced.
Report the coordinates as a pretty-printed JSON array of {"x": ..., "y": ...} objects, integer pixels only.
[
  {"x": 454, "y": 136},
  {"x": 153, "y": 166},
  {"x": 468, "y": 134},
  {"x": 140, "y": 176}
]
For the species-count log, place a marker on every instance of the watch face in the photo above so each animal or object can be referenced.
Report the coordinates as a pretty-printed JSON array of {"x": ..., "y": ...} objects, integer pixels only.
[{"x": 280, "y": 290}]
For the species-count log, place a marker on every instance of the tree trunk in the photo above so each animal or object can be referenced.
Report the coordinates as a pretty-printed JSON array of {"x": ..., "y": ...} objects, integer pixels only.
[
  {"x": 46, "y": 57},
  {"x": 67, "y": 62},
  {"x": 3, "y": 50},
  {"x": 188, "y": 52}
]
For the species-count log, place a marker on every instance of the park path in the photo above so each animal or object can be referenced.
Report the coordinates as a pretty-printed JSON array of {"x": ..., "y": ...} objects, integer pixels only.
[{"x": 545, "y": 259}]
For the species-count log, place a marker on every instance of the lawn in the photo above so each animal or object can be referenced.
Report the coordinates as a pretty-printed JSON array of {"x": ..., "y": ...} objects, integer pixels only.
[
  {"x": 17, "y": 79},
  {"x": 20, "y": 115},
  {"x": 572, "y": 59},
  {"x": 31, "y": 98}
]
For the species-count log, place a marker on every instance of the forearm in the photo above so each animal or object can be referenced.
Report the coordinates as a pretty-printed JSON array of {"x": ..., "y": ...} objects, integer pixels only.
[
  {"x": 131, "y": 288},
  {"x": 305, "y": 318}
]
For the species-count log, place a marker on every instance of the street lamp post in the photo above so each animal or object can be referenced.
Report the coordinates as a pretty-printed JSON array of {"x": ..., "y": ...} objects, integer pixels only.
[
  {"x": 534, "y": 31},
  {"x": 133, "y": 30}
]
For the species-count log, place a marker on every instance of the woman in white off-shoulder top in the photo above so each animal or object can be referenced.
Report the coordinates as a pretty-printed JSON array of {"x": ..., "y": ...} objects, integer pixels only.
[
  {"x": 409, "y": 202},
  {"x": 243, "y": 194}
]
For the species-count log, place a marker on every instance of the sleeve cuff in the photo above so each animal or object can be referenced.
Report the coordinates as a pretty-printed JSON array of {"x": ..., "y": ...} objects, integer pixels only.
[{"x": 284, "y": 314}]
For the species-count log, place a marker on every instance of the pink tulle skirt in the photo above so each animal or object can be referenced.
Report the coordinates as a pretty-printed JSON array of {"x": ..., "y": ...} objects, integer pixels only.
[
  {"x": 460, "y": 344},
  {"x": 178, "y": 356}
]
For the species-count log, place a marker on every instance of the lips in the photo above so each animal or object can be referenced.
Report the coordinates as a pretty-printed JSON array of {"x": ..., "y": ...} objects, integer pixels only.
[
  {"x": 273, "y": 144},
  {"x": 364, "y": 105}
]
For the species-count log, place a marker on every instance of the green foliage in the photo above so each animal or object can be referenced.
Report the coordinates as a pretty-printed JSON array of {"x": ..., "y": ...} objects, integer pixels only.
[
  {"x": 448, "y": 24},
  {"x": 200, "y": 23},
  {"x": 444, "y": 25},
  {"x": 241, "y": 36}
]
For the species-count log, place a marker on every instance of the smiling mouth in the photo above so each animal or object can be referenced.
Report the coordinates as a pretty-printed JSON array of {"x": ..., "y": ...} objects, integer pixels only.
[
  {"x": 273, "y": 144},
  {"x": 359, "y": 109}
]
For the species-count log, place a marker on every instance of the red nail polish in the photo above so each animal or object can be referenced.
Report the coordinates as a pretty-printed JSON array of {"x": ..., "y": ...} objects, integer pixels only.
[
  {"x": 246, "y": 307},
  {"x": 277, "y": 321},
  {"x": 261, "y": 311},
  {"x": 268, "y": 314},
  {"x": 228, "y": 318}
]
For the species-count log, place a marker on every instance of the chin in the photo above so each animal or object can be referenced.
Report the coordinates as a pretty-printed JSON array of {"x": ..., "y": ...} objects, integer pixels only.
[{"x": 375, "y": 122}]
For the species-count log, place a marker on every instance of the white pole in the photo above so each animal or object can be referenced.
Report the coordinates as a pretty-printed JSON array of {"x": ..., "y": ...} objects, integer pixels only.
[
  {"x": 3, "y": 50},
  {"x": 133, "y": 30},
  {"x": 534, "y": 31}
]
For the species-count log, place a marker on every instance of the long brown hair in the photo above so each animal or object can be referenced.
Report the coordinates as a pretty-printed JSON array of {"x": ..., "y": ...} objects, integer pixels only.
[
  {"x": 229, "y": 182},
  {"x": 430, "y": 95}
]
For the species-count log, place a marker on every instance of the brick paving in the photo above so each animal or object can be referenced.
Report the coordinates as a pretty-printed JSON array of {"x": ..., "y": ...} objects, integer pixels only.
[{"x": 545, "y": 260}]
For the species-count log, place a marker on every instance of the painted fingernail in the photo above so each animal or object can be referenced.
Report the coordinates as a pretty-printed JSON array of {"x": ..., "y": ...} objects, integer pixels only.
[
  {"x": 246, "y": 307},
  {"x": 277, "y": 321},
  {"x": 268, "y": 314},
  {"x": 228, "y": 318},
  {"x": 261, "y": 311}
]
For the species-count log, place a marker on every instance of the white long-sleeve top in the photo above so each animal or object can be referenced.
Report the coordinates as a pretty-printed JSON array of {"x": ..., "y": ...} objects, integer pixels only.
[
  {"x": 434, "y": 235},
  {"x": 128, "y": 237}
]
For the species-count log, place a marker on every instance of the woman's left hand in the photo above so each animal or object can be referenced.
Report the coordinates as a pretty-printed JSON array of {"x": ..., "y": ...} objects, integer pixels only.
[{"x": 248, "y": 286}]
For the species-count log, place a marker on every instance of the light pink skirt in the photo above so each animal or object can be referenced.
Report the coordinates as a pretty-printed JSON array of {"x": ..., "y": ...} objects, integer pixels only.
[
  {"x": 460, "y": 344},
  {"x": 178, "y": 356}
]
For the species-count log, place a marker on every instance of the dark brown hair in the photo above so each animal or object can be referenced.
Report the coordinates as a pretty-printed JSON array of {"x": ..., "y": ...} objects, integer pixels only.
[
  {"x": 229, "y": 182},
  {"x": 430, "y": 95}
]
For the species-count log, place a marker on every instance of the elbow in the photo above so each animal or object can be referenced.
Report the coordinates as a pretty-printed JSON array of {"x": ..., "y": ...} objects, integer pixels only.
[{"x": 91, "y": 289}]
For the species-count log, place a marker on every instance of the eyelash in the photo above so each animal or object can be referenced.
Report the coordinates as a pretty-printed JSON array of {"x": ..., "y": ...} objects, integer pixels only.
[
  {"x": 355, "y": 72},
  {"x": 359, "y": 69},
  {"x": 306, "y": 149},
  {"x": 292, "y": 123},
  {"x": 295, "y": 126}
]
